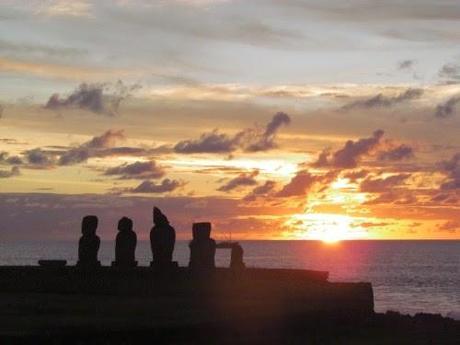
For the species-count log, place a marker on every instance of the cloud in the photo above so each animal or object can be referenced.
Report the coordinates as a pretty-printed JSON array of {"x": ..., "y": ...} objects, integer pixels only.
[
  {"x": 267, "y": 140},
  {"x": 260, "y": 191},
  {"x": 25, "y": 213},
  {"x": 213, "y": 142},
  {"x": 303, "y": 182},
  {"x": 445, "y": 198},
  {"x": 450, "y": 226},
  {"x": 452, "y": 169},
  {"x": 2, "y": 109},
  {"x": 103, "y": 145},
  {"x": 63, "y": 72},
  {"x": 379, "y": 185},
  {"x": 106, "y": 140},
  {"x": 91, "y": 148},
  {"x": 448, "y": 108},
  {"x": 10, "y": 173},
  {"x": 353, "y": 176},
  {"x": 450, "y": 73},
  {"x": 249, "y": 140},
  {"x": 396, "y": 154},
  {"x": 349, "y": 156},
  {"x": 137, "y": 170},
  {"x": 39, "y": 158},
  {"x": 66, "y": 8},
  {"x": 5, "y": 158},
  {"x": 40, "y": 51},
  {"x": 406, "y": 64},
  {"x": 381, "y": 101},
  {"x": 242, "y": 180},
  {"x": 398, "y": 197},
  {"x": 149, "y": 187},
  {"x": 90, "y": 97}
]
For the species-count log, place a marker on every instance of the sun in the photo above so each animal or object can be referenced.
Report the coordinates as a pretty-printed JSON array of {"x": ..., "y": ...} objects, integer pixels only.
[{"x": 326, "y": 227}]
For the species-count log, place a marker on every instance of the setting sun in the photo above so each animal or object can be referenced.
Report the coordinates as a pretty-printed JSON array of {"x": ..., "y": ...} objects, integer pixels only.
[{"x": 329, "y": 228}]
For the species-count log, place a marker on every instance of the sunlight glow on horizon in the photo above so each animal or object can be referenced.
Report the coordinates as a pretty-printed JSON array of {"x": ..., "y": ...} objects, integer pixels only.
[{"x": 329, "y": 228}]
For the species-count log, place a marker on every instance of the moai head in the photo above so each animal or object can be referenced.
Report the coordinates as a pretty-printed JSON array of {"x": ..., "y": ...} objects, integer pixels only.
[
  {"x": 158, "y": 217},
  {"x": 125, "y": 224},
  {"x": 89, "y": 225},
  {"x": 201, "y": 231}
]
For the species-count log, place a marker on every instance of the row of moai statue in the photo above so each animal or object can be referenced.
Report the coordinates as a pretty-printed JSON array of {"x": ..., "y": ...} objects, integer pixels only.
[{"x": 162, "y": 241}]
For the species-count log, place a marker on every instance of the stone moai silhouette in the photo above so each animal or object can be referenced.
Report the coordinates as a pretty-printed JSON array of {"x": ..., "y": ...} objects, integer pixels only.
[
  {"x": 89, "y": 243},
  {"x": 125, "y": 244},
  {"x": 236, "y": 257},
  {"x": 162, "y": 240},
  {"x": 202, "y": 247}
]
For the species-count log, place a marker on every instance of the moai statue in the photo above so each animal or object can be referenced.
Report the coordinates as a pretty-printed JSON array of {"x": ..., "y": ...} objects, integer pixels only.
[
  {"x": 89, "y": 243},
  {"x": 202, "y": 247},
  {"x": 236, "y": 257},
  {"x": 162, "y": 240},
  {"x": 125, "y": 245}
]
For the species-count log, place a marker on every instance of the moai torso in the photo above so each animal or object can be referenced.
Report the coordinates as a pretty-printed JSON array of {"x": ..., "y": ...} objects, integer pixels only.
[
  {"x": 125, "y": 247},
  {"x": 202, "y": 247}
]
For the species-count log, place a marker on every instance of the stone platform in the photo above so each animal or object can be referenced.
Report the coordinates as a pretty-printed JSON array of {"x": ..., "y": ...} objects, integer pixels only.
[{"x": 34, "y": 300}]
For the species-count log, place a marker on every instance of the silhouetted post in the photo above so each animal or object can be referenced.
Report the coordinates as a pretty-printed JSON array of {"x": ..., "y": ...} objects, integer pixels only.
[
  {"x": 236, "y": 258},
  {"x": 202, "y": 247},
  {"x": 89, "y": 243},
  {"x": 125, "y": 245},
  {"x": 162, "y": 240}
]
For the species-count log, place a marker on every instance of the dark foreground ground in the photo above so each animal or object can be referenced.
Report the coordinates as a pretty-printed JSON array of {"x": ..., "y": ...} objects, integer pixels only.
[
  {"x": 253, "y": 306},
  {"x": 39, "y": 319}
]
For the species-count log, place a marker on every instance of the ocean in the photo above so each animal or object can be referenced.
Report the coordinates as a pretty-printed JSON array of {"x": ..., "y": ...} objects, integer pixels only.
[{"x": 407, "y": 276}]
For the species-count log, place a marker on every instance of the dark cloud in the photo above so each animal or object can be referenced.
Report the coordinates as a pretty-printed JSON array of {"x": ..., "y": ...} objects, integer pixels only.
[
  {"x": 445, "y": 198},
  {"x": 267, "y": 140},
  {"x": 353, "y": 176},
  {"x": 406, "y": 64},
  {"x": 148, "y": 187},
  {"x": 452, "y": 169},
  {"x": 213, "y": 142},
  {"x": 58, "y": 216},
  {"x": 381, "y": 101},
  {"x": 91, "y": 97},
  {"x": 379, "y": 185},
  {"x": 349, "y": 156},
  {"x": 323, "y": 158},
  {"x": 103, "y": 145},
  {"x": 372, "y": 225},
  {"x": 396, "y": 154},
  {"x": 450, "y": 73},
  {"x": 5, "y": 158},
  {"x": 450, "y": 226},
  {"x": 137, "y": 170},
  {"x": 249, "y": 140},
  {"x": 395, "y": 197},
  {"x": 107, "y": 139},
  {"x": 39, "y": 51},
  {"x": 10, "y": 173},
  {"x": 242, "y": 180},
  {"x": 2, "y": 108},
  {"x": 261, "y": 191},
  {"x": 448, "y": 108},
  {"x": 39, "y": 158},
  {"x": 303, "y": 182},
  {"x": 91, "y": 148}
]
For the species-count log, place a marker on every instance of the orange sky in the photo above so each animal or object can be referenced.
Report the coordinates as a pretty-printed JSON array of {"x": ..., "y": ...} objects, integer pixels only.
[{"x": 111, "y": 110}]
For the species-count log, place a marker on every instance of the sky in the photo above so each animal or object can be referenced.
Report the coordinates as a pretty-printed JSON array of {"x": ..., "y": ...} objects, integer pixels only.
[{"x": 294, "y": 119}]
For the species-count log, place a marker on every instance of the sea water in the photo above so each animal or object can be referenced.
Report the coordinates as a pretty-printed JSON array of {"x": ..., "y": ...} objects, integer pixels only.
[{"x": 407, "y": 276}]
